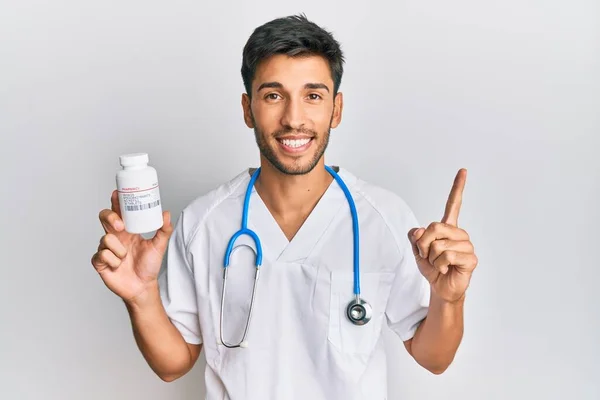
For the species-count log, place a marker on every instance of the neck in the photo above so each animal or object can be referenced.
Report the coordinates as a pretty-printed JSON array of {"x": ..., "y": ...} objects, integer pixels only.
[{"x": 288, "y": 196}]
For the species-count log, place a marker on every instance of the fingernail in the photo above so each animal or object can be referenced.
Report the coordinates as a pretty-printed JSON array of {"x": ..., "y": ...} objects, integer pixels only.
[
  {"x": 118, "y": 225},
  {"x": 421, "y": 253}
]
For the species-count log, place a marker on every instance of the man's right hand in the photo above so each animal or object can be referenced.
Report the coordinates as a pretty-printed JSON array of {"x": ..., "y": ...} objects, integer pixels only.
[{"x": 128, "y": 263}]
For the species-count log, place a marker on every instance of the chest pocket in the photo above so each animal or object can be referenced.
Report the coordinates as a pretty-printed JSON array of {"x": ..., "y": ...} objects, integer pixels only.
[{"x": 348, "y": 338}]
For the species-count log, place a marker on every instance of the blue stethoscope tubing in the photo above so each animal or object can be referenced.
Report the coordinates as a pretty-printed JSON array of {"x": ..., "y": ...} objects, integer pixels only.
[{"x": 358, "y": 310}]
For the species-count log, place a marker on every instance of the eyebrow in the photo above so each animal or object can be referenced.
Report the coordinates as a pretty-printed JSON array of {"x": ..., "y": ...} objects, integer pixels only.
[
  {"x": 316, "y": 86},
  {"x": 278, "y": 85}
]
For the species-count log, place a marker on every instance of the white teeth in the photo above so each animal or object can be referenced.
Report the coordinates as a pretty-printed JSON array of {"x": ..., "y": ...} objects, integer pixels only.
[{"x": 295, "y": 143}]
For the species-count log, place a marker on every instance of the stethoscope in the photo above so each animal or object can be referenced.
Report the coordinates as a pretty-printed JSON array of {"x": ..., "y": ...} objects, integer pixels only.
[{"x": 358, "y": 310}]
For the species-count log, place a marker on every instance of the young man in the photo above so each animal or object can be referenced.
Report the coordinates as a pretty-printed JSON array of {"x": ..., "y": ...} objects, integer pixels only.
[{"x": 301, "y": 342}]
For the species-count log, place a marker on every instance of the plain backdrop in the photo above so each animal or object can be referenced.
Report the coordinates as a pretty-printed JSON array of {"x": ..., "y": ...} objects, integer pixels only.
[{"x": 509, "y": 90}]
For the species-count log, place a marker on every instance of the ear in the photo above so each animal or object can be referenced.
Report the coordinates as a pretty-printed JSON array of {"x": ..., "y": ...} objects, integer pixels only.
[
  {"x": 247, "y": 109},
  {"x": 338, "y": 105}
]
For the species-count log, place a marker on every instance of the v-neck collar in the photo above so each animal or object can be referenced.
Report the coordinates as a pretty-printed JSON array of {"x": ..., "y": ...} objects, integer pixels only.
[{"x": 276, "y": 247}]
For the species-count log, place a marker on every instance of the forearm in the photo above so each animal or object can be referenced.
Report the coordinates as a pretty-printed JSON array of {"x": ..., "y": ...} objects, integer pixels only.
[
  {"x": 160, "y": 342},
  {"x": 438, "y": 337}
]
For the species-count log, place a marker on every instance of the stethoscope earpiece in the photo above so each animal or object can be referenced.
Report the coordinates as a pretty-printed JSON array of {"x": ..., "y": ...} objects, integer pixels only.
[{"x": 359, "y": 311}]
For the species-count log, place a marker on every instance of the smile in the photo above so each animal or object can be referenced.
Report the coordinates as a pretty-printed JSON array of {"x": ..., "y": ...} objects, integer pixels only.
[
  {"x": 295, "y": 145},
  {"x": 295, "y": 142}
]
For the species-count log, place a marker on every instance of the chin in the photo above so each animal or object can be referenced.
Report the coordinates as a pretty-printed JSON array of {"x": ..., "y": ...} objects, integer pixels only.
[
  {"x": 294, "y": 169},
  {"x": 299, "y": 166}
]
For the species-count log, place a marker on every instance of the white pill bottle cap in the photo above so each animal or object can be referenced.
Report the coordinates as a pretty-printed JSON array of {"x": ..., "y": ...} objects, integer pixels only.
[{"x": 134, "y": 160}]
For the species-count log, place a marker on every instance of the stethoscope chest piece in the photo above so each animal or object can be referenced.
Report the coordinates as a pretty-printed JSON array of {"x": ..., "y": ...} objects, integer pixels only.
[{"x": 359, "y": 311}]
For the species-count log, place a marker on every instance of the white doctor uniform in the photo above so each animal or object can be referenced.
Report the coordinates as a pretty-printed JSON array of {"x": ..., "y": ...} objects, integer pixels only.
[{"x": 300, "y": 343}]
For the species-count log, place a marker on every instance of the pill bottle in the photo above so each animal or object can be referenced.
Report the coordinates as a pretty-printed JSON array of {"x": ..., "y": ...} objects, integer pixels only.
[{"x": 139, "y": 197}]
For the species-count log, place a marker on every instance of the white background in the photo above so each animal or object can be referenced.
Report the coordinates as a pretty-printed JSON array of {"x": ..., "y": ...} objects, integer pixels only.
[{"x": 509, "y": 90}]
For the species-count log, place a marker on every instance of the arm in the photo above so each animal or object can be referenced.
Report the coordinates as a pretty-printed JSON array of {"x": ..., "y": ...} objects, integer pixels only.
[
  {"x": 446, "y": 258},
  {"x": 439, "y": 335},
  {"x": 161, "y": 344}
]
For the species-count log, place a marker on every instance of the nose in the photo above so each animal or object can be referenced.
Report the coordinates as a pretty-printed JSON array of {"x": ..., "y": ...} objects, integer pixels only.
[{"x": 293, "y": 114}]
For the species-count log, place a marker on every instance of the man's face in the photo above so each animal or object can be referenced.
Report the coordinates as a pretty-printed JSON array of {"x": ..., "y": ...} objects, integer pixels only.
[{"x": 292, "y": 111}]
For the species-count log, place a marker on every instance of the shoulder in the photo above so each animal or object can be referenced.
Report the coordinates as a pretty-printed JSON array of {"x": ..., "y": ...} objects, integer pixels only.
[
  {"x": 198, "y": 210},
  {"x": 385, "y": 204}
]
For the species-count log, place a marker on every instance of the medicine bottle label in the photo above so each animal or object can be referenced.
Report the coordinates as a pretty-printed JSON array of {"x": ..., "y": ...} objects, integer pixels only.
[{"x": 138, "y": 199}]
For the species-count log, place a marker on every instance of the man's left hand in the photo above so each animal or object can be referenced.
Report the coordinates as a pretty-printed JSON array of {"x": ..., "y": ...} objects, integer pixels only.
[{"x": 444, "y": 252}]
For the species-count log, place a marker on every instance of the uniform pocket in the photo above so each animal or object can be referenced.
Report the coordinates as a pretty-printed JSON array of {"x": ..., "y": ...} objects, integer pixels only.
[{"x": 345, "y": 336}]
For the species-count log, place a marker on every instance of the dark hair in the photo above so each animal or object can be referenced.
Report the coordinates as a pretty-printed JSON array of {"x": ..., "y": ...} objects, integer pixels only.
[{"x": 294, "y": 36}]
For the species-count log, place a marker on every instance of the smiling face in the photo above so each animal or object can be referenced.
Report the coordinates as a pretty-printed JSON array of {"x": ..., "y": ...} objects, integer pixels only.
[{"x": 292, "y": 110}]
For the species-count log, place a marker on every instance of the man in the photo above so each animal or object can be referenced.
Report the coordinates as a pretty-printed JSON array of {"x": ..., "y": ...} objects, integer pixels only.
[{"x": 300, "y": 342}]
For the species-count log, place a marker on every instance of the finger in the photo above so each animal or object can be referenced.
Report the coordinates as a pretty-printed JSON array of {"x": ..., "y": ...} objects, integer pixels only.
[
  {"x": 105, "y": 258},
  {"x": 111, "y": 221},
  {"x": 426, "y": 269},
  {"x": 112, "y": 243},
  {"x": 414, "y": 235},
  {"x": 437, "y": 247},
  {"x": 439, "y": 230},
  {"x": 455, "y": 198},
  {"x": 161, "y": 238},
  {"x": 463, "y": 262},
  {"x": 114, "y": 203}
]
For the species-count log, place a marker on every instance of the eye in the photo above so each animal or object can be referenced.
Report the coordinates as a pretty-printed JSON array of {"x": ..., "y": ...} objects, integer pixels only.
[
  {"x": 314, "y": 96},
  {"x": 272, "y": 96}
]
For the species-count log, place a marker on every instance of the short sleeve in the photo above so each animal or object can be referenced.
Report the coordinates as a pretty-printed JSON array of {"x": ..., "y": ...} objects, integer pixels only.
[
  {"x": 177, "y": 288},
  {"x": 408, "y": 302}
]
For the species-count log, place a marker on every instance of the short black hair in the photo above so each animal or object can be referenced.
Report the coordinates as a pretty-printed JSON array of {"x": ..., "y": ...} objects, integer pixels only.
[{"x": 294, "y": 36}]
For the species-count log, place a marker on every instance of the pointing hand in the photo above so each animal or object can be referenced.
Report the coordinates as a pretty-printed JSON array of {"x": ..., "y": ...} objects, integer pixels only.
[{"x": 443, "y": 251}]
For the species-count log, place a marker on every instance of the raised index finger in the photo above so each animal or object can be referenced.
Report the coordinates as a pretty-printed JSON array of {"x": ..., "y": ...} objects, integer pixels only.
[{"x": 455, "y": 198}]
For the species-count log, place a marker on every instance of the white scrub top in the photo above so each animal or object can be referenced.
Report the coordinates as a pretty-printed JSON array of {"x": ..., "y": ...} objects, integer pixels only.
[{"x": 300, "y": 342}]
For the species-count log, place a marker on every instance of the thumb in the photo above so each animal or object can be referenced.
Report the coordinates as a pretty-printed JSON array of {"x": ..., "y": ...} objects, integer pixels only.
[
  {"x": 161, "y": 238},
  {"x": 413, "y": 235}
]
